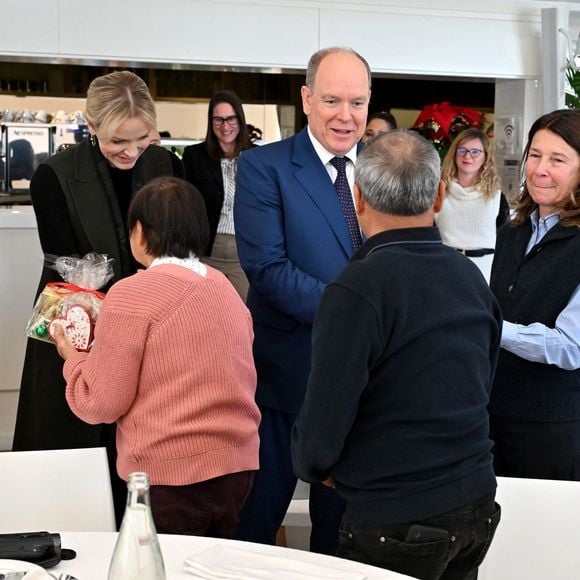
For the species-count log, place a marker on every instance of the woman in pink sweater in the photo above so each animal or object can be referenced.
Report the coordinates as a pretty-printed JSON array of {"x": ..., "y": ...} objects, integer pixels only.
[{"x": 172, "y": 365}]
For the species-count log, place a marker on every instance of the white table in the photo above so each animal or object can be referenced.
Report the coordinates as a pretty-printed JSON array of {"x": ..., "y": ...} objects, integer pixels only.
[{"x": 94, "y": 551}]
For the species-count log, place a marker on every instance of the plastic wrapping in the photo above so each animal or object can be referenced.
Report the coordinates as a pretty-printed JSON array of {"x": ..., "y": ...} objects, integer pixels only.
[{"x": 74, "y": 303}]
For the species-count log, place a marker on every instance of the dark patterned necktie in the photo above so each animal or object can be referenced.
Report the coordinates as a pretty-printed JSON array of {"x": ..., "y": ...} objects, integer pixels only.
[{"x": 346, "y": 203}]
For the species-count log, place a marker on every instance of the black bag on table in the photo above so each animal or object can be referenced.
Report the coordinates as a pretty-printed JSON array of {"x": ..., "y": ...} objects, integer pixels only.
[{"x": 41, "y": 548}]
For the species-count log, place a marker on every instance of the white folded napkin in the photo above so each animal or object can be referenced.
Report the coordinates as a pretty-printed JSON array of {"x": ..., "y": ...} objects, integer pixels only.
[{"x": 224, "y": 563}]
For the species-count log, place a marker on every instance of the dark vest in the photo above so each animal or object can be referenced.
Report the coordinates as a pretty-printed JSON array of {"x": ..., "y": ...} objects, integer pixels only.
[
  {"x": 92, "y": 201},
  {"x": 535, "y": 288}
]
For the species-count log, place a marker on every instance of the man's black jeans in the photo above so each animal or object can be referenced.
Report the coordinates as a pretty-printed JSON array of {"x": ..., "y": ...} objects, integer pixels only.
[{"x": 449, "y": 546}]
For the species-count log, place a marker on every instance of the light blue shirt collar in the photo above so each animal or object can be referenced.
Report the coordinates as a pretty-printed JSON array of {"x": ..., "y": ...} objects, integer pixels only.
[{"x": 541, "y": 226}]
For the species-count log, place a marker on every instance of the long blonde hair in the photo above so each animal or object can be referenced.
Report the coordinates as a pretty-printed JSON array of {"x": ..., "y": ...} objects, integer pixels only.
[
  {"x": 116, "y": 97},
  {"x": 487, "y": 181}
]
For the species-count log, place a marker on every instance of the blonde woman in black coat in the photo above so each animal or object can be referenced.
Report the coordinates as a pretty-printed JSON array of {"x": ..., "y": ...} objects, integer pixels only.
[{"x": 80, "y": 198}]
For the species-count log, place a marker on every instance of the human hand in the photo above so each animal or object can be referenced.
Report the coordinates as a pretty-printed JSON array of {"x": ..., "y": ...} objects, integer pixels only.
[
  {"x": 329, "y": 481},
  {"x": 63, "y": 346}
]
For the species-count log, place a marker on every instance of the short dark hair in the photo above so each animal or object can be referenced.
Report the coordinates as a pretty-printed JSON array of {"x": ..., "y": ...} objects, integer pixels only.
[
  {"x": 173, "y": 216},
  {"x": 243, "y": 138},
  {"x": 385, "y": 116}
]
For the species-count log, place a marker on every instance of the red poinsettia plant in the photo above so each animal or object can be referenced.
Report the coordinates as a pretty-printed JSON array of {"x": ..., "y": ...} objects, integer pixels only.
[{"x": 442, "y": 122}]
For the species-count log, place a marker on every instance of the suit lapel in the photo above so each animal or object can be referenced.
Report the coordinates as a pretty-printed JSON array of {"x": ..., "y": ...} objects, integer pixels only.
[
  {"x": 314, "y": 178},
  {"x": 206, "y": 166},
  {"x": 215, "y": 168}
]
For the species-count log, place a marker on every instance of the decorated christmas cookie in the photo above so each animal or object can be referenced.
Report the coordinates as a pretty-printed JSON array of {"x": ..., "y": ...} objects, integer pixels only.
[{"x": 78, "y": 326}]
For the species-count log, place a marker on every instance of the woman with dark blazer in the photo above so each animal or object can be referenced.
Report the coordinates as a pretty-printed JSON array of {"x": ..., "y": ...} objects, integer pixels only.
[{"x": 211, "y": 167}]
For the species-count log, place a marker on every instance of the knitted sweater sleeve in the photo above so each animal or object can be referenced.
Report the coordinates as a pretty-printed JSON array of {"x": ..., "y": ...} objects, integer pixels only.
[{"x": 102, "y": 384}]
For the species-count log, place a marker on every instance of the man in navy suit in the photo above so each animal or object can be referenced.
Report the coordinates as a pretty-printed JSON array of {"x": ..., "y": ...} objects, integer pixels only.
[{"x": 293, "y": 239}]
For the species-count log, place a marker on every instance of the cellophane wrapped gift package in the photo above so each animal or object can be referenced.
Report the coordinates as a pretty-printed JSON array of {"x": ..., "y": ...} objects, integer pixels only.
[{"x": 74, "y": 303}]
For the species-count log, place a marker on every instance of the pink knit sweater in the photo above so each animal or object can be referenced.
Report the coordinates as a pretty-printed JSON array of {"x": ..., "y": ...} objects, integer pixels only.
[{"x": 172, "y": 364}]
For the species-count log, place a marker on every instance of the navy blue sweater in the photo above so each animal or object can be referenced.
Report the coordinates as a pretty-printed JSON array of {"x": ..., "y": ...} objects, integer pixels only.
[{"x": 405, "y": 345}]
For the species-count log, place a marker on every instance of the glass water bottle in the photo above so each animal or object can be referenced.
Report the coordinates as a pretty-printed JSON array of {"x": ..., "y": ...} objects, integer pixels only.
[{"x": 137, "y": 555}]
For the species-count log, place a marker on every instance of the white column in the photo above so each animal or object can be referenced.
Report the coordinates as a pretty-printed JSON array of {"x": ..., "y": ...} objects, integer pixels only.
[
  {"x": 518, "y": 103},
  {"x": 554, "y": 47}
]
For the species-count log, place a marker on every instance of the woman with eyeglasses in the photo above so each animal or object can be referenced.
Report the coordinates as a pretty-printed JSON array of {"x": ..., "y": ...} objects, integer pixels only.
[
  {"x": 471, "y": 211},
  {"x": 535, "y": 399},
  {"x": 211, "y": 167}
]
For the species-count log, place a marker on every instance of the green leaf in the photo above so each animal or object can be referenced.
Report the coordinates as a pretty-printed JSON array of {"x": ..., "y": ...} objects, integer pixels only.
[{"x": 572, "y": 88}]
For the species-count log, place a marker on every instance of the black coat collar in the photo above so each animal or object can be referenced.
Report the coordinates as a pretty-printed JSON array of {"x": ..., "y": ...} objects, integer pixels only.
[{"x": 429, "y": 235}]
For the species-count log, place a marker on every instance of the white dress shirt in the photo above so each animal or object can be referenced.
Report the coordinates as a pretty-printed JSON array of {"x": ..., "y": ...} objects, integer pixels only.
[{"x": 325, "y": 156}]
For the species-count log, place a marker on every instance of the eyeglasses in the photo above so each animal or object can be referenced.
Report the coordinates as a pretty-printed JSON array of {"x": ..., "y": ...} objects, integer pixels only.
[
  {"x": 219, "y": 121},
  {"x": 475, "y": 153}
]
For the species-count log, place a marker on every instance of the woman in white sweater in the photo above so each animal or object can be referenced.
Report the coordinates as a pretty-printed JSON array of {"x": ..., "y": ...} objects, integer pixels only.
[{"x": 469, "y": 217}]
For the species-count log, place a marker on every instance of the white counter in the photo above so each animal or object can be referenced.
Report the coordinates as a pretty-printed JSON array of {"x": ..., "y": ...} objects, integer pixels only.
[
  {"x": 20, "y": 268},
  {"x": 17, "y": 217}
]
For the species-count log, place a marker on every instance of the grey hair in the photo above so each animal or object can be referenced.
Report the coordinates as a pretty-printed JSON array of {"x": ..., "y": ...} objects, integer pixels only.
[
  {"x": 320, "y": 55},
  {"x": 398, "y": 173}
]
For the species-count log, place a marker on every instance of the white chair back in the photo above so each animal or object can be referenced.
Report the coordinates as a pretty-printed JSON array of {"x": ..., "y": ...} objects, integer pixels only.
[
  {"x": 538, "y": 537},
  {"x": 57, "y": 490}
]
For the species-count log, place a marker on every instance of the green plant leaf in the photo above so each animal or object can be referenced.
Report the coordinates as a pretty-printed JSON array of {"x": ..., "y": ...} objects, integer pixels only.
[{"x": 572, "y": 88}]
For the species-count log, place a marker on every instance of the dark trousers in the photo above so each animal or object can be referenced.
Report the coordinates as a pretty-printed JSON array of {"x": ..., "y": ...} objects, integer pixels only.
[
  {"x": 274, "y": 484},
  {"x": 449, "y": 546},
  {"x": 536, "y": 450},
  {"x": 206, "y": 508}
]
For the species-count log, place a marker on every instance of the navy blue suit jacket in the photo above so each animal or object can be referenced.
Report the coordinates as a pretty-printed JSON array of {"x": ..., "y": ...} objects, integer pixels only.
[{"x": 292, "y": 240}]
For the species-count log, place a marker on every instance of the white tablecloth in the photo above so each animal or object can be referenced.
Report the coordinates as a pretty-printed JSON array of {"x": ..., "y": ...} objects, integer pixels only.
[{"x": 94, "y": 550}]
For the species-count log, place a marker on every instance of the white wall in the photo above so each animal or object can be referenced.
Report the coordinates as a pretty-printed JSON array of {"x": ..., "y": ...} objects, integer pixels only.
[{"x": 493, "y": 38}]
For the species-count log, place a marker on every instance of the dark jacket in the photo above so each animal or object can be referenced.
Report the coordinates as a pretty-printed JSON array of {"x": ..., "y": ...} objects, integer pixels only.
[
  {"x": 205, "y": 173},
  {"x": 535, "y": 288},
  {"x": 405, "y": 344},
  {"x": 77, "y": 200}
]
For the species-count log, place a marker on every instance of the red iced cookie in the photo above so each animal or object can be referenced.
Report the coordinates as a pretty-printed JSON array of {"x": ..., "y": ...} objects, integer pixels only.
[{"x": 78, "y": 327}]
